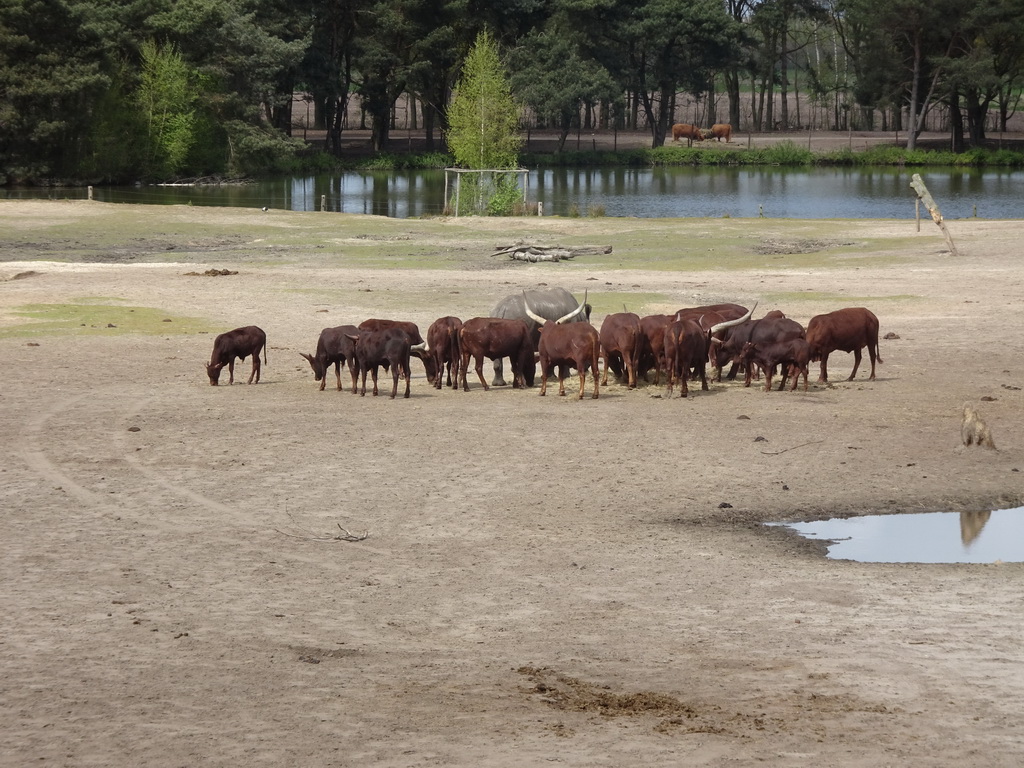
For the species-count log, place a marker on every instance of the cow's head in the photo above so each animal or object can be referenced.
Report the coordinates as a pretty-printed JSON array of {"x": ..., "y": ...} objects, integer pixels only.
[
  {"x": 319, "y": 369},
  {"x": 213, "y": 371}
]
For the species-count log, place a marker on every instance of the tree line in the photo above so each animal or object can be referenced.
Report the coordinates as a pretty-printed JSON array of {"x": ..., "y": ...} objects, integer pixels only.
[{"x": 155, "y": 89}]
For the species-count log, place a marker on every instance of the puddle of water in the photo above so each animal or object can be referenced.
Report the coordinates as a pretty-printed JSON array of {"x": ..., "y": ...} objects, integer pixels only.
[{"x": 932, "y": 537}]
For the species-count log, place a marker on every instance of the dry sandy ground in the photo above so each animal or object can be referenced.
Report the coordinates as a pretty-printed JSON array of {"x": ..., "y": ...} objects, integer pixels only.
[{"x": 543, "y": 580}]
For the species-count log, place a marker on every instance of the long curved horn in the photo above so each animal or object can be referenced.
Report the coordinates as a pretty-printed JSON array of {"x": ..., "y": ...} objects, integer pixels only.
[
  {"x": 531, "y": 314},
  {"x": 571, "y": 315},
  {"x": 730, "y": 323},
  {"x": 422, "y": 346}
]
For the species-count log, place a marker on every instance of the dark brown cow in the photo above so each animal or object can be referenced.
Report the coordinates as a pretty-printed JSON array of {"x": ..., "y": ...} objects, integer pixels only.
[
  {"x": 496, "y": 338},
  {"x": 335, "y": 346},
  {"x": 792, "y": 356},
  {"x": 652, "y": 348},
  {"x": 566, "y": 343},
  {"x": 686, "y": 343},
  {"x": 443, "y": 349},
  {"x": 389, "y": 347},
  {"x": 239, "y": 343},
  {"x": 774, "y": 326},
  {"x": 846, "y": 330},
  {"x": 686, "y": 347},
  {"x": 721, "y": 131},
  {"x": 621, "y": 344},
  {"x": 690, "y": 132},
  {"x": 418, "y": 346}
]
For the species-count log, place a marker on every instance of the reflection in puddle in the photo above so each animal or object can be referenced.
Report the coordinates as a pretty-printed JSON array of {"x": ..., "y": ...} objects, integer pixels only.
[{"x": 985, "y": 537}]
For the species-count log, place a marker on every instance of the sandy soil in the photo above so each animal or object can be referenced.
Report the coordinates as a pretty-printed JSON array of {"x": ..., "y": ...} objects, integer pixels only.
[{"x": 543, "y": 580}]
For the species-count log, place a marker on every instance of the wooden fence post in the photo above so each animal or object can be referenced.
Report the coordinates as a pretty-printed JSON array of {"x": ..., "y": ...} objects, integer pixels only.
[{"x": 925, "y": 196}]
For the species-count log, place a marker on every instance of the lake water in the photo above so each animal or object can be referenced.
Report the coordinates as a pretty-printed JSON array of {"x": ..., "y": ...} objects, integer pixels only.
[
  {"x": 932, "y": 537},
  {"x": 881, "y": 193}
]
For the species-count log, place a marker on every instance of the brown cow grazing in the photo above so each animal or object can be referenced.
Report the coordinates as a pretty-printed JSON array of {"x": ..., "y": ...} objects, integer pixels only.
[
  {"x": 336, "y": 347},
  {"x": 567, "y": 343},
  {"x": 443, "y": 349},
  {"x": 690, "y": 132},
  {"x": 389, "y": 347},
  {"x": 621, "y": 343},
  {"x": 847, "y": 330},
  {"x": 496, "y": 338},
  {"x": 239, "y": 343},
  {"x": 721, "y": 131},
  {"x": 792, "y": 356},
  {"x": 418, "y": 345}
]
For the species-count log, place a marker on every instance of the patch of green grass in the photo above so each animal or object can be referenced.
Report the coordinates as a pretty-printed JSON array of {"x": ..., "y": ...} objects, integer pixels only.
[
  {"x": 821, "y": 296},
  {"x": 87, "y": 316}
]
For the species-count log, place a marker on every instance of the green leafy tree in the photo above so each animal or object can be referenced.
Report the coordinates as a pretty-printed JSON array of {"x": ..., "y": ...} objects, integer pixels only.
[
  {"x": 483, "y": 131},
  {"x": 166, "y": 97},
  {"x": 483, "y": 117}
]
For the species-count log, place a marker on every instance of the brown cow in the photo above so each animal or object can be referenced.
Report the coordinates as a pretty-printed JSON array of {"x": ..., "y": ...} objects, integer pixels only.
[
  {"x": 496, "y": 338},
  {"x": 334, "y": 346},
  {"x": 652, "y": 346},
  {"x": 690, "y": 132},
  {"x": 567, "y": 343},
  {"x": 846, "y": 330},
  {"x": 720, "y": 131},
  {"x": 621, "y": 342},
  {"x": 686, "y": 347},
  {"x": 443, "y": 349},
  {"x": 792, "y": 356},
  {"x": 239, "y": 343}
]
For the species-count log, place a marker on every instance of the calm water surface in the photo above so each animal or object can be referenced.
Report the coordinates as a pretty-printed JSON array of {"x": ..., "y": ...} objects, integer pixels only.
[
  {"x": 936, "y": 537},
  {"x": 641, "y": 192}
]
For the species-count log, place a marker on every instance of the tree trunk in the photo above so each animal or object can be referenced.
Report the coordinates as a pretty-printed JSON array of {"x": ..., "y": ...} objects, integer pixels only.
[
  {"x": 732, "y": 88},
  {"x": 956, "y": 123},
  {"x": 915, "y": 127}
]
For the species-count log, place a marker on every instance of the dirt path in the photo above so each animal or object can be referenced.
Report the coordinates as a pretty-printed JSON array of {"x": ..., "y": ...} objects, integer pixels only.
[{"x": 543, "y": 580}]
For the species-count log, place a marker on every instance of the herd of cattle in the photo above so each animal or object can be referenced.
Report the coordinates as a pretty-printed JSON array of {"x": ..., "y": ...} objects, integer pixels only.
[{"x": 552, "y": 328}]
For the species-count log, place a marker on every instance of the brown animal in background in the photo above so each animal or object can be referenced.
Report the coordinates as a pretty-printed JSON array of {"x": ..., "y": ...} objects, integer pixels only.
[
  {"x": 690, "y": 132},
  {"x": 496, "y": 338},
  {"x": 239, "y": 343},
  {"x": 974, "y": 430},
  {"x": 720, "y": 131}
]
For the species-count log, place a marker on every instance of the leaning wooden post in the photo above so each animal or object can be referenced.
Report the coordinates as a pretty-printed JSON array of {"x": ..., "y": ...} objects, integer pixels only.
[{"x": 925, "y": 196}]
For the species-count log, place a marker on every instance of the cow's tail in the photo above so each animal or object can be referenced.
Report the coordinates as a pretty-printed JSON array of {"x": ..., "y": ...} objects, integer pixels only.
[
  {"x": 878, "y": 351},
  {"x": 265, "y": 354}
]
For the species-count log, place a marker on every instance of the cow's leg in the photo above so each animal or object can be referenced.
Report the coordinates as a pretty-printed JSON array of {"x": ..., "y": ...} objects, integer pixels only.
[
  {"x": 231, "y": 371},
  {"x": 408, "y": 376},
  {"x": 583, "y": 381},
  {"x": 337, "y": 375},
  {"x": 480, "y": 371},
  {"x": 543, "y": 378},
  {"x": 856, "y": 363},
  {"x": 354, "y": 373},
  {"x": 604, "y": 378},
  {"x": 363, "y": 369},
  {"x": 871, "y": 354},
  {"x": 255, "y": 368},
  {"x": 702, "y": 374},
  {"x": 823, "y": 376}
]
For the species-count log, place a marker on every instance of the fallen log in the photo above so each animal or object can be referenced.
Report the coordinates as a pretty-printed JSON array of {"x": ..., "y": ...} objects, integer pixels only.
[{"x": 524, "y": 252}]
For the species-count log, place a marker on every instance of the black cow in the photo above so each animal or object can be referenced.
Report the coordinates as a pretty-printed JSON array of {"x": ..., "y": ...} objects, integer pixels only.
[
  {"x": 335, "y": 346},
  {"x": 239, "y": 343},
  {"x": 792, "y": 356},
  {"x": 390, "y": 347}
]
